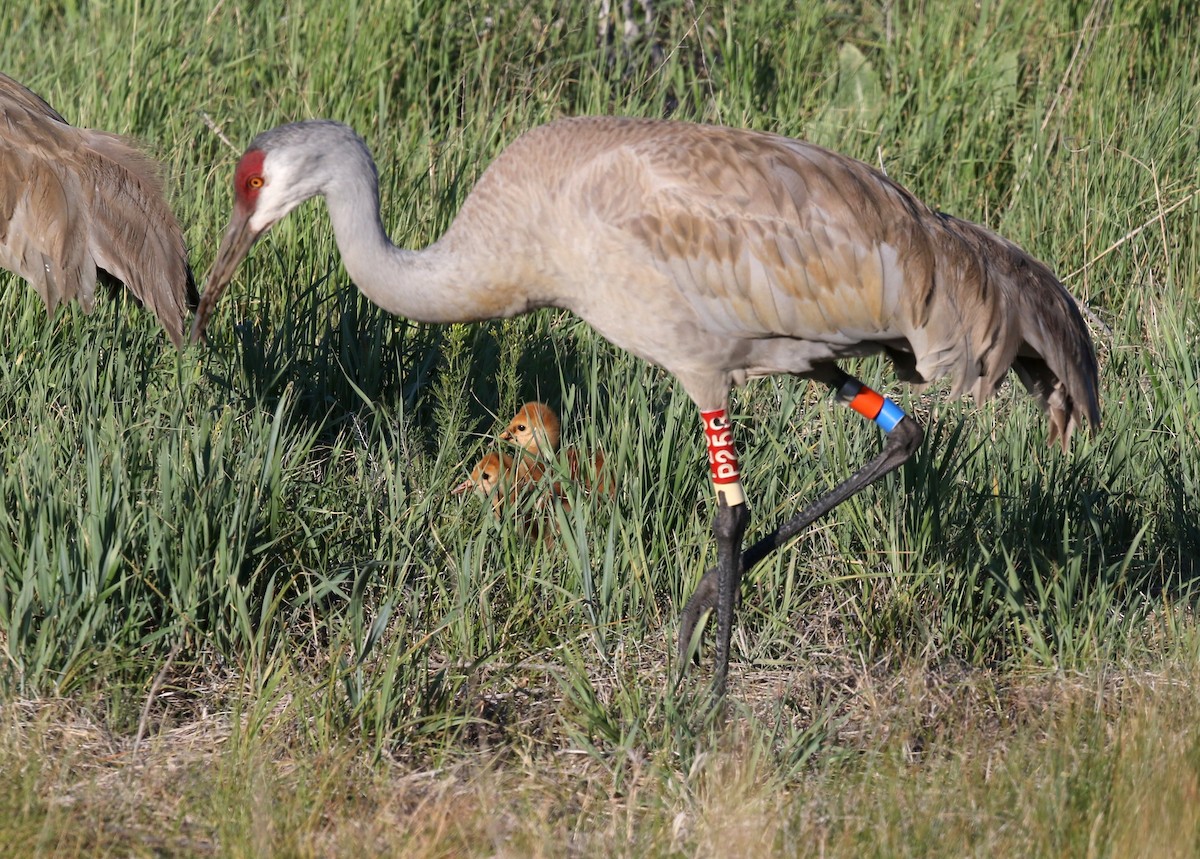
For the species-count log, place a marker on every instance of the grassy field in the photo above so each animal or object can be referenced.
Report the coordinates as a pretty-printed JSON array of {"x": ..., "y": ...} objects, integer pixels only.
[{"x": 241, "y": 614}]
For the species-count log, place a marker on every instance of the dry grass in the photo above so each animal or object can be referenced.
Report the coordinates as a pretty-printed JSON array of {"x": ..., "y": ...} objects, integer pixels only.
[{"x": 917, "y": 759}]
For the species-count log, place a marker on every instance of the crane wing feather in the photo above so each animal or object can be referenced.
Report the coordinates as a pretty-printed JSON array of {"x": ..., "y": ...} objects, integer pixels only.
[
  {"x": 39, "y": 229},
  {"x": 125, "y": 197}
]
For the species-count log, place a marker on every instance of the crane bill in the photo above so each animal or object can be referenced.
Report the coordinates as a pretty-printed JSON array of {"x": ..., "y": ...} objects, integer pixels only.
[{"x": 239, "y": 238}]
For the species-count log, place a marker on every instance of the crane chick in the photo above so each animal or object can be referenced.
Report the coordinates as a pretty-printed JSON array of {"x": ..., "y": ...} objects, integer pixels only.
[
  {"x": 536, "y": 428},
  {"x": 510, "y": 487}
]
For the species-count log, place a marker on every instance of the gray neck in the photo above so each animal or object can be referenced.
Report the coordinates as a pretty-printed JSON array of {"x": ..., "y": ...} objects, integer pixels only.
[{"x": 427, "y": 285}]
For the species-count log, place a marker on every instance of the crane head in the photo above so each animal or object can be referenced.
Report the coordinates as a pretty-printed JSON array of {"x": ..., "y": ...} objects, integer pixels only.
[
  {"x": 244, "y": 229},
  {"x": 535, "y": 427},
  {"x": 282, "y": 168}
]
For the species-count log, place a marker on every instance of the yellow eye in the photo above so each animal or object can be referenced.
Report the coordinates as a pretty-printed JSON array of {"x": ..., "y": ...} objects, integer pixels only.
[{"x": 255, "y": 182}]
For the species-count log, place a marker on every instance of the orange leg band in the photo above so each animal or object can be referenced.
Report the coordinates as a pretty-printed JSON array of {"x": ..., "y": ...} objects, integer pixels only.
[{"x": 867, "y": 403}]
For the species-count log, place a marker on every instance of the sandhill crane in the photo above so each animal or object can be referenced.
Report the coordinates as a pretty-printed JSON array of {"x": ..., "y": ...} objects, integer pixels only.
[
  {"x": 74, "y": 200},
  {"x": 718, "y": 254},
  {"x": 536, "y": 428}
]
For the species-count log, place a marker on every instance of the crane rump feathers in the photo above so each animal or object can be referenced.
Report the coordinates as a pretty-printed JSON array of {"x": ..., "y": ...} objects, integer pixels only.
[
  {"x": 989, "y": 306},
  {"x": 74, "y": 200}
]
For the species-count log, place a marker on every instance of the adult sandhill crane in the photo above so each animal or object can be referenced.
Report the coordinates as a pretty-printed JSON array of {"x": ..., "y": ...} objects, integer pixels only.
[
  {"x": 716, "y": 253},
  {"x": 536, "y": 428},
  {"x": 74, "y": 200}
]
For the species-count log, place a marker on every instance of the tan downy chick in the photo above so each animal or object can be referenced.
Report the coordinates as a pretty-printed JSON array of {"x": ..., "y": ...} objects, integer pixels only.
[
  {"x": 536, "y": 428},
  {"x": 488, "y": 478},
  {"x": 497, "y": 478}
]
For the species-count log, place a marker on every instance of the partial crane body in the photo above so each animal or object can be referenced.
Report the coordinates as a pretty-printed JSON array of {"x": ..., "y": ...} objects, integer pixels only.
[
  {"x": 74, "y": 201},
  {"x": 719, "y": 254}
]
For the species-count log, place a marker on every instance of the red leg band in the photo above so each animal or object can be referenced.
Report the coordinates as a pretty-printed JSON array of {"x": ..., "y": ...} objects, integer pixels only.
[
  {"x": 722, "y": 455},
  {"x": 867, "y": 403}
]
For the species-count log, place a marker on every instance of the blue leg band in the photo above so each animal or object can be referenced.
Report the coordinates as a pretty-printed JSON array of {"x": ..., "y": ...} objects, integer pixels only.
[{"x": 890, "y": 415}]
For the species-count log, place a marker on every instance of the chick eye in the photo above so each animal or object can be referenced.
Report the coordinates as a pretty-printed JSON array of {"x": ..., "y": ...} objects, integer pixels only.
[
  {"x": 254, "y": 182},
  {"x": 520, "y": 427}
]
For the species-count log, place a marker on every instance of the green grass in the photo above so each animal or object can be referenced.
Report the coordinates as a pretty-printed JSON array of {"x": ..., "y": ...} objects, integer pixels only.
[{"x": 240, "y": 614}]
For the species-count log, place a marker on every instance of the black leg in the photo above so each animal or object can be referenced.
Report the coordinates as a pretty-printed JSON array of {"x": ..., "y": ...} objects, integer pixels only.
[
  {"x": 903, "y": 439},
  {"x": 729, "y": 527}
]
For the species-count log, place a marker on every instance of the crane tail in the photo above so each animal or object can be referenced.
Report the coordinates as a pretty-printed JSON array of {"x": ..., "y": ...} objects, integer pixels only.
[
  {"x": 133, "y": 232},
  {"x": 73, "y": 200},
  {"x": 1061, "y": 374},
  {"x": 992, "y": 307},
  {"x": 1054, "y": 359}
]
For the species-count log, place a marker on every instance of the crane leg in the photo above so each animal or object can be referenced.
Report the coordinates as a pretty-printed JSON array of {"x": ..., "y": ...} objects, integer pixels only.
[
  {"x": 904, "y": 436},
  {"x": 729, "y": 527}
]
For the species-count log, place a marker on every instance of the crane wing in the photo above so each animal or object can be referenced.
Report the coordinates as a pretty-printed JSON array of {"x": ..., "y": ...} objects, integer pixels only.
[
  {"x": 774, "y": 238},
  {"x": 41, "y": 225},
  {"x": 132, "y": 231}
]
